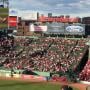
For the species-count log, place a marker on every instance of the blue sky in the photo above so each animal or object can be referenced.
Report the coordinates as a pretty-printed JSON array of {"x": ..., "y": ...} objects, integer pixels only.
[{"x": 58, "y": 7}]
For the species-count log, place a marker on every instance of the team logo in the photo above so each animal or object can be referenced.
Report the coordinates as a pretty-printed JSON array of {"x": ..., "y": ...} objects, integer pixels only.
[{"x": 74, "y": 29}]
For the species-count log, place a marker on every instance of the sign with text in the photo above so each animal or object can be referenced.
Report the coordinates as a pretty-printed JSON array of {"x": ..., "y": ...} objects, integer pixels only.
[
  {"x": 75, "y": 29},
  {"x": 37, "y": 28},
  {"x": 55, "y": 28},
  {"x": 32, "y": 77}
]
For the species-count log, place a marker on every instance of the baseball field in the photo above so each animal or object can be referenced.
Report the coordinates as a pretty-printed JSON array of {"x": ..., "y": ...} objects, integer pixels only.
[{"x": 19, "y": 85}]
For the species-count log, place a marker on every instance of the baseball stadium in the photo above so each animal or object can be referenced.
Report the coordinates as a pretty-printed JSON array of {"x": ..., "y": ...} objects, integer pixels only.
[{"x": 39, "y": 52}]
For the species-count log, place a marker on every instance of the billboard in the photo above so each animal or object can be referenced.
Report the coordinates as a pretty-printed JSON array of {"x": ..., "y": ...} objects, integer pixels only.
[
  {"x": 75, "y": 29},
  {"x": 65, "y": 28},
  {"x": 37, "y": 28},
  {"x": 13, "y": 12},
  {"x": 58, "y": 19},
  {"x": 55, "y": 28},
  {"x": 33, "y": 77},
  {"x": 3, "y": 18},
  {"x": 12, "y": 21},
  {"x": 29, "y": 16}
]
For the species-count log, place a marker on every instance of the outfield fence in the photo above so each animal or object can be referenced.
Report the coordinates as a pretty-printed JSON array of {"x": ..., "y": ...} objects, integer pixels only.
[{"x": 18, "y": 74}]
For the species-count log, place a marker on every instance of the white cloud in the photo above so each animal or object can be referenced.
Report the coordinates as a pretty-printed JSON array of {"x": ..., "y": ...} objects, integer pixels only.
[
  {"x": 60, "y": 5},
  {"x": 74, "y": 7},
  {"x": 85, "y": 2}
]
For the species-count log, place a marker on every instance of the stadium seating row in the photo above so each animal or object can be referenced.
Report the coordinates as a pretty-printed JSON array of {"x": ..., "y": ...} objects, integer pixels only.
[{"x": 43, "y": 54}]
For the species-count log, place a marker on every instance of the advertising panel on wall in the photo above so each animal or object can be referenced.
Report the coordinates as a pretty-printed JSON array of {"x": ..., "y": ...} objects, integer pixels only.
[
  {"x": 38, "y": 28},
  {"x": 75, "y": 29},
  {"x": 29, "y": 16},
  {"x": 59, "y": 19},
  {"x": 3, "y": 18},
  {"x": 65, "y": 28},
  {"x": 12, "y": 21},
  {"x": 13, "y": 12},
  {"x": 32, "y": 77},
  {"x": 55, "y": 28}
]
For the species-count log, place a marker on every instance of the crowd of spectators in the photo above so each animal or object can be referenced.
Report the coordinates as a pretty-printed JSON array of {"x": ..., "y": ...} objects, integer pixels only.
[
  {"x": 43, "y": 54},
  {"x": 85, "y": 74}
]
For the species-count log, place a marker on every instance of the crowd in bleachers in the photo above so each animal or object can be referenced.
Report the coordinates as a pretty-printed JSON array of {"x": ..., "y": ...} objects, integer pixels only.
[
  {"x": 45, "y": 54},
  {"x": 85, "y": 74}
]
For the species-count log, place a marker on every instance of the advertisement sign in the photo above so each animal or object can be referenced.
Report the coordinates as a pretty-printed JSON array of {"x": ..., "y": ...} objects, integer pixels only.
[
  {"x": 55, "y": 28},
  {"x": 65, "y": 28},
  {"x": 75, "y": 29},
  {"x": 3, "y": 18},
  {"x": 8, "y": 75},
  {"x": 12, "y": 24},
  {"x": 58, "y": 19},
  {"x": 38, "y": 28},
  {"x": 12, "y": 21},
  {"x": 32, "y": 77},
  {"x": 27, "y": 77},
  {"x": 16, "y": 75},
  {"x": 29, "y": 16},
  {"x": 13, "y": 12},
  {"x": 46, "y": 74}
]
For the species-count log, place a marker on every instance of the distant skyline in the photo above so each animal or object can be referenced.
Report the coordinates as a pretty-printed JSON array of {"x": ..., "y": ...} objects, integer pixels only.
[{"x": 76, "y": 8}]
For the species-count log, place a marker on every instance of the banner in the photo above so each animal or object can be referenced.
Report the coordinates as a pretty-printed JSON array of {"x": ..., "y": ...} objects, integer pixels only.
[
  {"x": 38, "y": 28},
  {"x": 65, "y": 28},
  {"x": 3, "y": 18},
  {"x": 75, "y": 29},
  {"x": 45, "y": 74},
  {"x": 58, "y": 19},
  {"x": 12, "y": 21},
  {"x": 13, "y": 12},
  {"x": 32, "y": 77},
  {"x": 55, "y": 28}
]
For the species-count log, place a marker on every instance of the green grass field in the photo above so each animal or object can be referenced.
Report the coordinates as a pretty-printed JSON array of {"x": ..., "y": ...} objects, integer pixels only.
[{"x": 18, "y": 85}]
